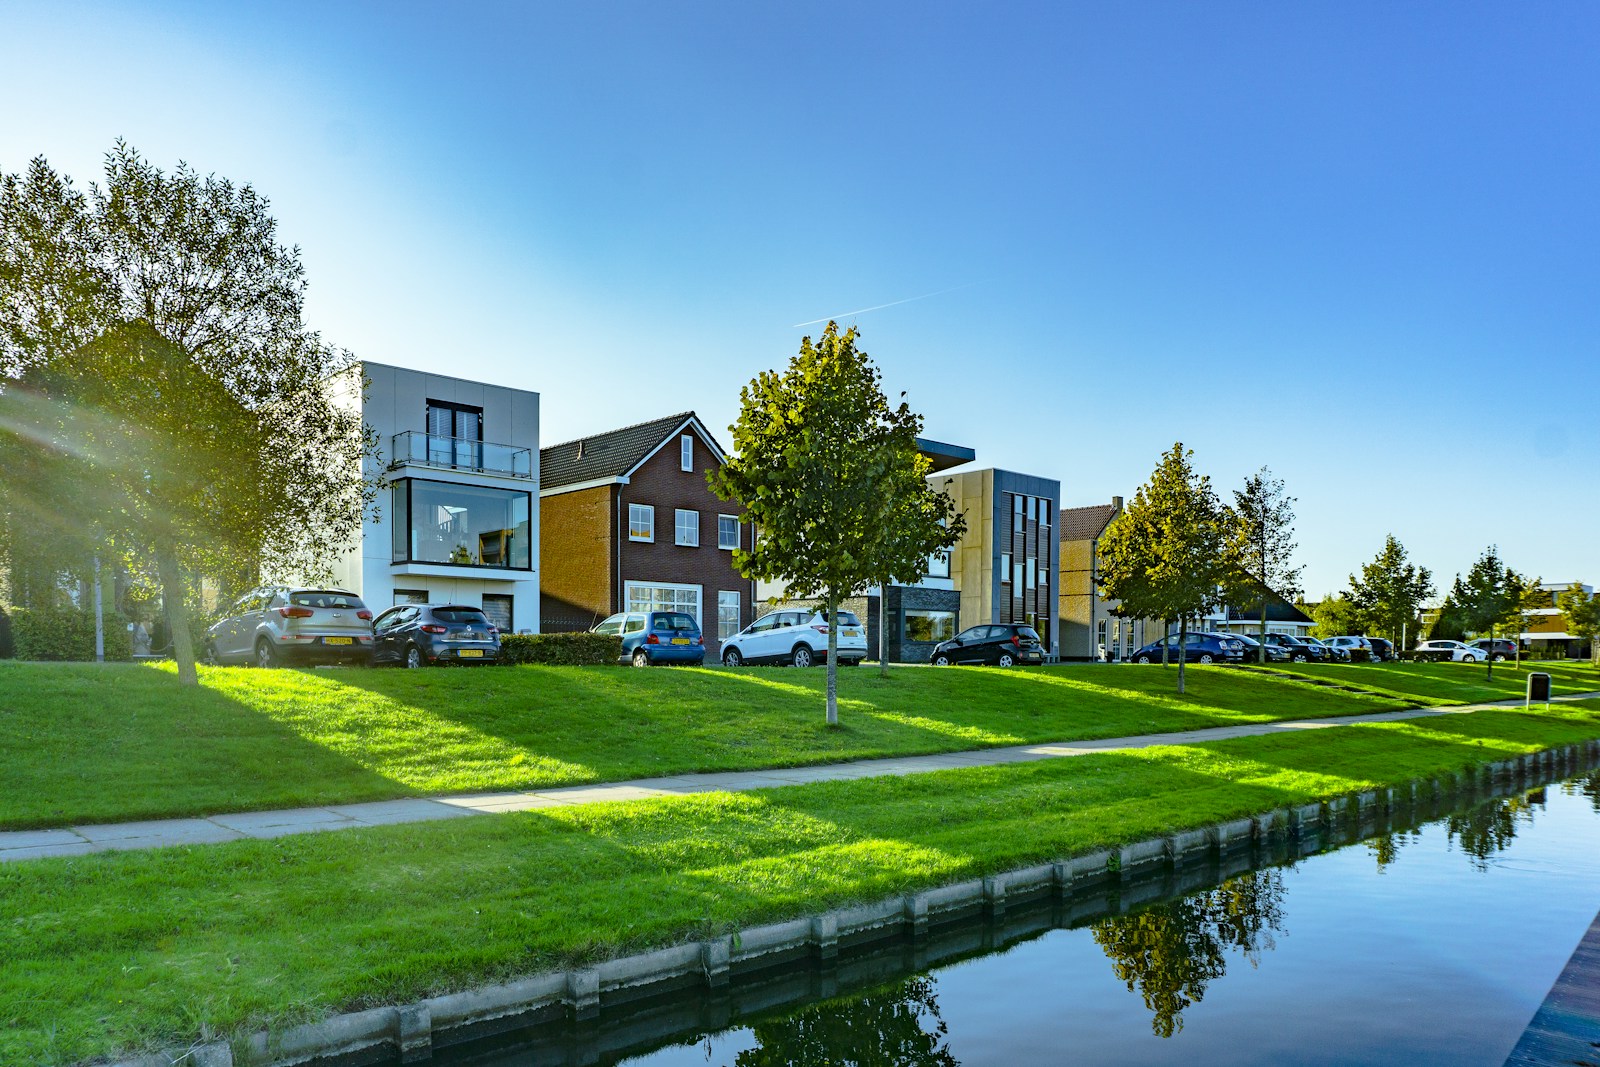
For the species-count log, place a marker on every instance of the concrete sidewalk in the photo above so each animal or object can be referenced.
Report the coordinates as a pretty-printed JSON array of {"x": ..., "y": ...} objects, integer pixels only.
[{"x": 162, "y": 833}]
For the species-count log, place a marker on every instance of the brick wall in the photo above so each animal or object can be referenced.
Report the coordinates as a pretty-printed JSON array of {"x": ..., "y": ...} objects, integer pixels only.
[
  {"x": 575, "y": 559},
  {"x": 662, "y": 484}
]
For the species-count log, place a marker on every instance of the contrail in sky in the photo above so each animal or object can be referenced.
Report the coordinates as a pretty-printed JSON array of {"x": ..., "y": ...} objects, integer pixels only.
[{"x": 879, "y": 307}]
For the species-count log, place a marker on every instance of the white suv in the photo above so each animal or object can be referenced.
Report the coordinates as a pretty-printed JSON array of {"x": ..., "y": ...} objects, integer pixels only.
[
  {"x": 797, "y": 637},
  {"x": 1450, "y": 650}
]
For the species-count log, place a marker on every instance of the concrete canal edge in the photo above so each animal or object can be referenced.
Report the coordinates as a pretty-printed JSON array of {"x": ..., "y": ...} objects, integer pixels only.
[{"x": 408, "y": 1031}]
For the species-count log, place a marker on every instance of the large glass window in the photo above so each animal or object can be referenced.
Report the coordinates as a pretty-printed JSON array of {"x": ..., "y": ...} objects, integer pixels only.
[
  {"x": 651, "y": 596},
  {"x": 930, "y": 625},
  {"x": 465, "y": 525},
  {"x": 727, "y": 614}
]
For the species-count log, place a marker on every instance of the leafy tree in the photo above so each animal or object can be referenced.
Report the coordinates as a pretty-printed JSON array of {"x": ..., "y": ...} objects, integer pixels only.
[
  {"x": 821, "y": 460},
  {"x": 131, "y": 278},
  {"x": 1333, "y": 616},
  {"x": 1263, "y": 545},
  {"x": 1581, "y": 612},
  {"x": 1447, "y": 624},
  {"x": 1388, "y": 596},
  {"x": 1165, "y": 556},
  {"x": 1489, "y": 598},
  {"x": 899, "y": 1026},
  {"x": 1170, "y": 952}
]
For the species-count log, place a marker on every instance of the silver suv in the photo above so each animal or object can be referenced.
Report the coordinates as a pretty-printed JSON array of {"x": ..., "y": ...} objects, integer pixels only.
[
  {"x": 275, "y": 625},
  {"x": 797, "y": 637}
]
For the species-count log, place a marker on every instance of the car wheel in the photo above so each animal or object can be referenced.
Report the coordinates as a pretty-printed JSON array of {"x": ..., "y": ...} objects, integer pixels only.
[
  {"x": 209, "y": 656},
  {"x": 1205, "y": 657},
  {"x": 1005, "y": 659},
  {"x": 265, "y": 655},
  {"x": 941, "y": 660},
  {"x": 801, "y": 656},
  {"x": 641, "y": 658},
  {"x": 1144, "y": 659},
  {"x": 731, "y": 658},
  {"x": 1500, "y": 657},
  {"x": 1298, "y": 658},
  {"x": 413, "y": 657}
]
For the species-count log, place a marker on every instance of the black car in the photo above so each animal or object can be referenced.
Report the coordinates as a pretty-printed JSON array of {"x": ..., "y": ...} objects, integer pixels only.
[
  {"x": 1299, "y": 651},
  {"x": 1252, "y": 650},
  {"x": 1499, "y": 649},
  {"x": 414, "y": 635},
  {"x": 1382, "y": 650},
  {"x": 1001, "y": 644}
]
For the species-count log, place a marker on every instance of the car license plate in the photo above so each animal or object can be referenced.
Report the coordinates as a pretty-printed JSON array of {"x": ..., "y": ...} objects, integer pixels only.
[
  {"x": 680, "y": 640},
  {"x": 471, "y": 653},
  {"x": 851, "y": 633},
  {"x": 336, "y": 640}
]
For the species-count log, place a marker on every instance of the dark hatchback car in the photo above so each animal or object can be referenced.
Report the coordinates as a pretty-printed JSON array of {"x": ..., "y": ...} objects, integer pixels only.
[
  {"x": 1000, "y": 645},
  {"x": 1252, "y": 650},
  {"x": 1299, "y": 651},
  {"x": 1499, "y": 649},
  {"x": 1382, "y": 650},
  {"x": 415, "y": 635},
  {"x": 1198, "y": 648}
]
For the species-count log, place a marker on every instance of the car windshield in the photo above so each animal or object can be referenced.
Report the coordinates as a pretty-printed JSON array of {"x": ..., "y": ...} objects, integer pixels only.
[
  {"x": 846, "y": 618},
  {"x": 472, "y": 616},
  {"x": 611, "y": 625},
  {"x": 326, "y": 599},
  {"x": 675, "y": 621},
  {"x": 1028, "y": 633}
]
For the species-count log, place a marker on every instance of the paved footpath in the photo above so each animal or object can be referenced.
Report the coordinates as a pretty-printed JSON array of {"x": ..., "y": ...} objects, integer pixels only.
[{"x": 161, "y": 833}]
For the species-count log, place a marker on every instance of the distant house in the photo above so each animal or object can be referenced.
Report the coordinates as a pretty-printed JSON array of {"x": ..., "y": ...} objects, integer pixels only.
[
  {"x": 1282, "y": 618},
  {"x": 1547, "y": 634},
  {"x": 630, "y": 525},
  {"x": 1089, "y": 622},
  {"x": 460, "y": 520}
]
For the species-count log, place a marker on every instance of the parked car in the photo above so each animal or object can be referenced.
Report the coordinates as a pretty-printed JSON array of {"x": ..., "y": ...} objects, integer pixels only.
[
  {"x": 1200, "y": 647},
  {"x": 652, "y": 637},
  {"x": 1252, "y": 650},
  {"x": 1299, "y": 649},
  {"x": 1449, "y": 650},
  {"x": 1498, "y": 649},
  {"x": 1330, "y": 653},
  {"x": 796, "y": 637},
  {"x": 1384, "y": 649},
  {"x": 275, "y": 625},
  {"x": 998, "y": 644},
  {"x": 415, "y": 635},
  {"x": 1360, "y": 648}
]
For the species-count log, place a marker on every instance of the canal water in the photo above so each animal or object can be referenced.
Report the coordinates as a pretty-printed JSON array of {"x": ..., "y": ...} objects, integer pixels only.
[{"x": 1430, "y": 942}]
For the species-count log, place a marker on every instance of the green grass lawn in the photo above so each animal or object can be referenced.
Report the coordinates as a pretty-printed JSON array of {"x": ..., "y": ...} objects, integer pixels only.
[
  {"x": 80, "y": 743},
  {"x": 151, "y": 949},
  {"x": 1461, "y": 683}
]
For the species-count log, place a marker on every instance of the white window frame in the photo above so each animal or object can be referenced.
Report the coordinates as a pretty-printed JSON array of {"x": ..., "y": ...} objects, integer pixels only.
[
  {"x": 686, "y": 452},
  {"x": 648, "y": 511},
  {"x": 680, "y": 530},
  {"x": 640, "y": 596},
  {"x": 738, "y": 532},
  {"x": 728, "y": 598}
]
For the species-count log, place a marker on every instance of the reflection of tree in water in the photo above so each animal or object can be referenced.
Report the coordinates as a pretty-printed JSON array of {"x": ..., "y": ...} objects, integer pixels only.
[
  {"x": 1386, "y": 849},
  {"x": 899, "y": 1026},
  {"x": 1585, "y": 787},
  {"x": 1490, "y": 828},
  {"x": 1169, "y": 952}
]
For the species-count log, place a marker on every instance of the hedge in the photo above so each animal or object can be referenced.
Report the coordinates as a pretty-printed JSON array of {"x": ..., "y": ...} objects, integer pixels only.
[
  {"x": 66, "y": 634},
  {"x": 562, "y": 650}
]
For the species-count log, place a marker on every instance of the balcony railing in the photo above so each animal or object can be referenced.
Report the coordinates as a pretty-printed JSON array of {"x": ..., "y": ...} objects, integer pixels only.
[{"x": 460, "y": 454}]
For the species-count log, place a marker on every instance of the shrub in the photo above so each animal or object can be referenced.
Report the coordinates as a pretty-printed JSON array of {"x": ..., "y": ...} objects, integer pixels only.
[
  {"x": 66, "y": 634},
  {"x": 561, "y": 650},
  {"x": 7, "y": 649}
]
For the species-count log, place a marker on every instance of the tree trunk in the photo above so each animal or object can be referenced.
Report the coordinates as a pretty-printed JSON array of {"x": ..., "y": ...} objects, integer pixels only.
[
  {"x": 177, "y": 614},
  {"x": 883, "y": 629},
  {"x": 1488, "y": 661},
  {"x": 833, "y": 663},
  {"x": 1166, "y": 649},
  {"x": 1183, "y": 649},
  {"x": 1262, "y": 651}
]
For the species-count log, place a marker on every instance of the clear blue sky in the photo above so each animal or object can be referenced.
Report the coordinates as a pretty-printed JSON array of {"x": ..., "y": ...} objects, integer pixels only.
[{"x": 1358, "y": 243}]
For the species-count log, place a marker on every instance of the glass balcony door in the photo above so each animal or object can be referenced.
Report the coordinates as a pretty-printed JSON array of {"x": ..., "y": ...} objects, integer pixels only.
[{"x": 455, "y": 435}]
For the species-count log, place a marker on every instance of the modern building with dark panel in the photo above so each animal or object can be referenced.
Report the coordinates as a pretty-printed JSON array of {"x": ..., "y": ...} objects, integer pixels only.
[{"x": 629, "y": 524}]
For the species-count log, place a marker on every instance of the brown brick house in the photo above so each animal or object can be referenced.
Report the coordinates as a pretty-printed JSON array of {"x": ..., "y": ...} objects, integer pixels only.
[{"x": 629, "y": 524}]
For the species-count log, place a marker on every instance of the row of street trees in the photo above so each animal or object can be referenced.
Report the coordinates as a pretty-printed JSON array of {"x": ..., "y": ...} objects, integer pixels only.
[{"x": 162, "y": 406}]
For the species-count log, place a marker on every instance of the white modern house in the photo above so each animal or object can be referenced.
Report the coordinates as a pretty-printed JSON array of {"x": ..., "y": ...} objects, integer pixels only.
[{"x": 459, "y": 519}]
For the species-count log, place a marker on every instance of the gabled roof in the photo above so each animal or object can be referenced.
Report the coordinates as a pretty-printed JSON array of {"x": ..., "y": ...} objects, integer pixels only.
[
  {"x": 1086, "y": 524},
  {"x": 615, "y": 454}
]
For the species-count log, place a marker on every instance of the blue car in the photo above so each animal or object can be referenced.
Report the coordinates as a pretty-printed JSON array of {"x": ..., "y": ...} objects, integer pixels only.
[
  {"x": 651, "y": 637},
  {"x": 1199, "y": 647}
]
